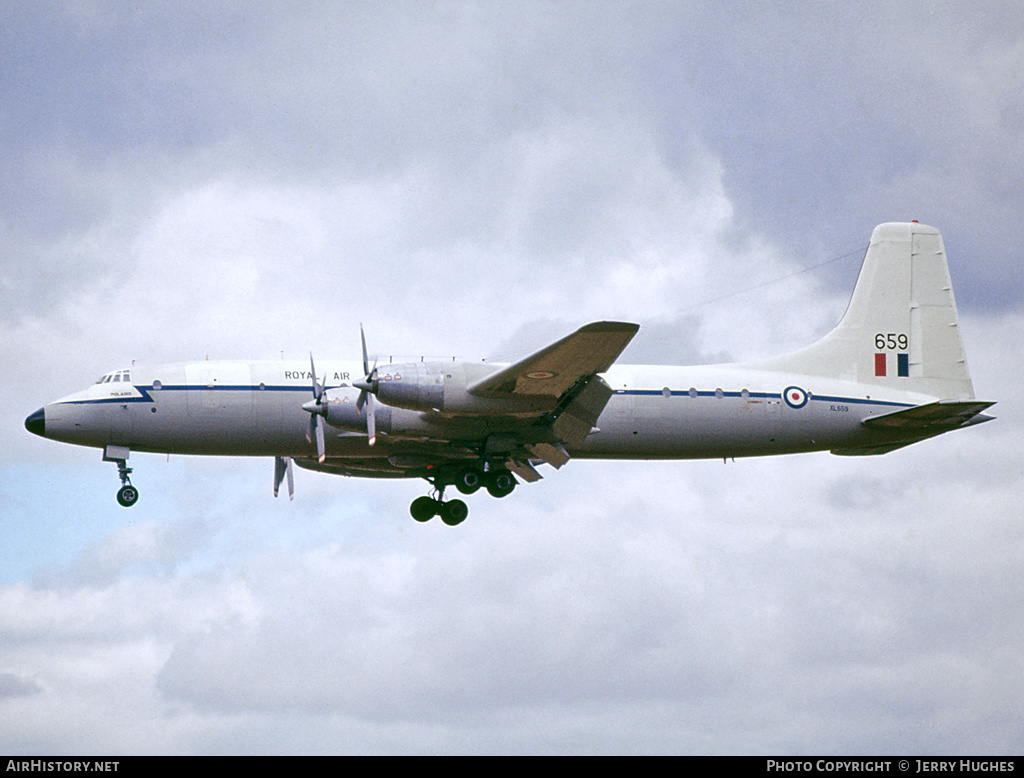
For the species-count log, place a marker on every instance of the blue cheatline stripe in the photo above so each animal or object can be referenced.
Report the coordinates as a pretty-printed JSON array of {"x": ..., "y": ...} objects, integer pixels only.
[
  {"x": 763, "y": 396},
  {"x": 903, "y": 365},
  {"x": 147, "y": 393}
]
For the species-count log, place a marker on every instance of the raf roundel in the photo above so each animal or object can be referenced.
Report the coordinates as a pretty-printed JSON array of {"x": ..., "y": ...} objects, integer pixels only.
[{"x": 795, "y": 397}]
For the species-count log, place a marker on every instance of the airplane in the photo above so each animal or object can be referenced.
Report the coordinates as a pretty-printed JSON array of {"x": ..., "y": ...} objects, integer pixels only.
[{"x": 892, "y": 373}]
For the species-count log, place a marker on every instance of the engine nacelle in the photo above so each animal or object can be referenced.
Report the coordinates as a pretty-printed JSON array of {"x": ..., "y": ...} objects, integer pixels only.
[
  {"x": 343, "y": 411},
  {"x": 418, "y": 386},
  {"x": 441, "y": 387},
  {"x": 429, "y": 400}
]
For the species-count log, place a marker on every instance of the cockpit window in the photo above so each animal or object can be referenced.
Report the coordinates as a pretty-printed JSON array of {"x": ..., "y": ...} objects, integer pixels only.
[{"x": 118, "y": 377}]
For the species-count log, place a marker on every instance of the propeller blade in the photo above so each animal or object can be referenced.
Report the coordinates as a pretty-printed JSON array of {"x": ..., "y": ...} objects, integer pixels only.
[
  {"x": 279, "y": 468},
  {"x": 371, "y": 419},
  {"x": 366, "y": 360},
  {"x": 282, "y": 468},
  {"x": 368, "y": 389},
  {"x": 315, "y": 429},
  {"x": 316, "y": 410},
  {"x": 320, "y": 453},
  {"x": 318, "y": 390}
]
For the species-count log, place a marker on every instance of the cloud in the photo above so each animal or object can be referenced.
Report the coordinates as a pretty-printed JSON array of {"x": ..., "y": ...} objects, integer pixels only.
[
  {"x": 478, "y": 180},
  {"x": 12, "y": 685}
]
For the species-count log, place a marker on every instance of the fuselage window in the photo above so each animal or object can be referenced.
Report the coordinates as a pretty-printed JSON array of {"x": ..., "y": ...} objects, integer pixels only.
[
  {"x": 666, "y": 392},
  {"x": 157, "y": 385},
  {"x": 693, "y": 392},
  {"x": 719, "y": 393}
]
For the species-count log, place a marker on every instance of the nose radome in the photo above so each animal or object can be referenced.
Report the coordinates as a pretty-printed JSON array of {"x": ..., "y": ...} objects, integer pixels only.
[{"x": 36, "y": 423}]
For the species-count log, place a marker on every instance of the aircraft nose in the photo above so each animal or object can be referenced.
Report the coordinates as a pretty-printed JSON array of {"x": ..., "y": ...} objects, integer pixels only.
[{"x": 36, "y": 423}]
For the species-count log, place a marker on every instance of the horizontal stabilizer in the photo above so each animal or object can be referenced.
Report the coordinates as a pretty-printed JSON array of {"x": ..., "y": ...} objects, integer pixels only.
[
  {"x": 866, "y": 451},
  {"x": 931, "y": 417},
  {"x": 919, "y": 423}
]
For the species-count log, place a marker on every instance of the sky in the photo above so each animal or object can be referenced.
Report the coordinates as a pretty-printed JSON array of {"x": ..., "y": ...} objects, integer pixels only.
[{"x": 476, "y": 179}]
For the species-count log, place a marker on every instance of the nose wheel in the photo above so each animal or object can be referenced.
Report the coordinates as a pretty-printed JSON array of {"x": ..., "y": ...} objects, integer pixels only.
[{"x": 127, "y": 495}]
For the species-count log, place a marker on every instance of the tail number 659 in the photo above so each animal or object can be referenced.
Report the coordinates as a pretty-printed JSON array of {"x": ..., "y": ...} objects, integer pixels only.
[{"x": 891, "y": 340}]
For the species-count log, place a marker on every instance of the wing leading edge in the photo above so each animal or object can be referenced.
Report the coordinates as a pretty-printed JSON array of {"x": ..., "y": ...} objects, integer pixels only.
[{"x": 552, "y": 371}]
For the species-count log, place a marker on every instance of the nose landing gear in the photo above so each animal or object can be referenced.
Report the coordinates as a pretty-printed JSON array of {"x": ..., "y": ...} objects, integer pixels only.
[{"x": 127, "y": 495}]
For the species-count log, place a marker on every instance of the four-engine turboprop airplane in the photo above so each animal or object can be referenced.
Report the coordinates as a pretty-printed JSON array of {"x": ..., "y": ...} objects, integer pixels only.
[{"x": 890, "y": 374}]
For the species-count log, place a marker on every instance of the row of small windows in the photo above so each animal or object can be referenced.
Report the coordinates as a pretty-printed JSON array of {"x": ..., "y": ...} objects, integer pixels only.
[
  {"x": 116, "y": 378},
  {"x": 745, "y": 394},
  {"x": 123, "y": 375}
]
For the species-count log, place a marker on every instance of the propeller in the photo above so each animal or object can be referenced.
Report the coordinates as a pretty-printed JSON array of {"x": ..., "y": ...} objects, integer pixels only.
[
  {"x": 283, "y": 467},
  {"x": 317, "y": 410},
  {"x": 369, "y": 388}
]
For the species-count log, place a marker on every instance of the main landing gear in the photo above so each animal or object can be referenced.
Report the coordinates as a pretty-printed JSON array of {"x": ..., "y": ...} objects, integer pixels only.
[
  {"x": 127, "y": 495},
  {"x": 451, "y": 512},
  {"x": 498, "y": 482}
]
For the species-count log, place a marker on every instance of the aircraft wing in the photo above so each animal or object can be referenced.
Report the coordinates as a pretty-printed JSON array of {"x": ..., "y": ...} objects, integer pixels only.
[
  {"x": 553, "y": 370},
  {"x": 565, "y": 375}
]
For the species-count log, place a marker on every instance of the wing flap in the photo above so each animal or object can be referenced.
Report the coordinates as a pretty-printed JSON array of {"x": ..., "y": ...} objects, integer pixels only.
[
  {"x": 553, "y": 370},
  {"x": 524, "y": 470},
  {"x": 580, "y": 411}
]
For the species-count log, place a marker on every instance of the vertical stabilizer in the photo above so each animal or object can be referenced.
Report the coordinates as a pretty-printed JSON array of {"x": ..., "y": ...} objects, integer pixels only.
[{"x": 901, "y": 329}]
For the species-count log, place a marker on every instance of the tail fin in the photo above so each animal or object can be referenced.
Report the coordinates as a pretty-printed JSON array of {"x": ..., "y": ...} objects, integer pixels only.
[{"x": 901, "y": 329}]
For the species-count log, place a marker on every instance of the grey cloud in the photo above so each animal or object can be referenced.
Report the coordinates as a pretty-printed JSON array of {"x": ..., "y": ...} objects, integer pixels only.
[
  {"x": 480, "y": 179},
  {"x": 13, "y": 685}
]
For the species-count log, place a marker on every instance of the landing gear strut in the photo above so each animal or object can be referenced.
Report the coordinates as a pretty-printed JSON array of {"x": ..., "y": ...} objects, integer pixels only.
[{"x": 127, "y": 495}]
